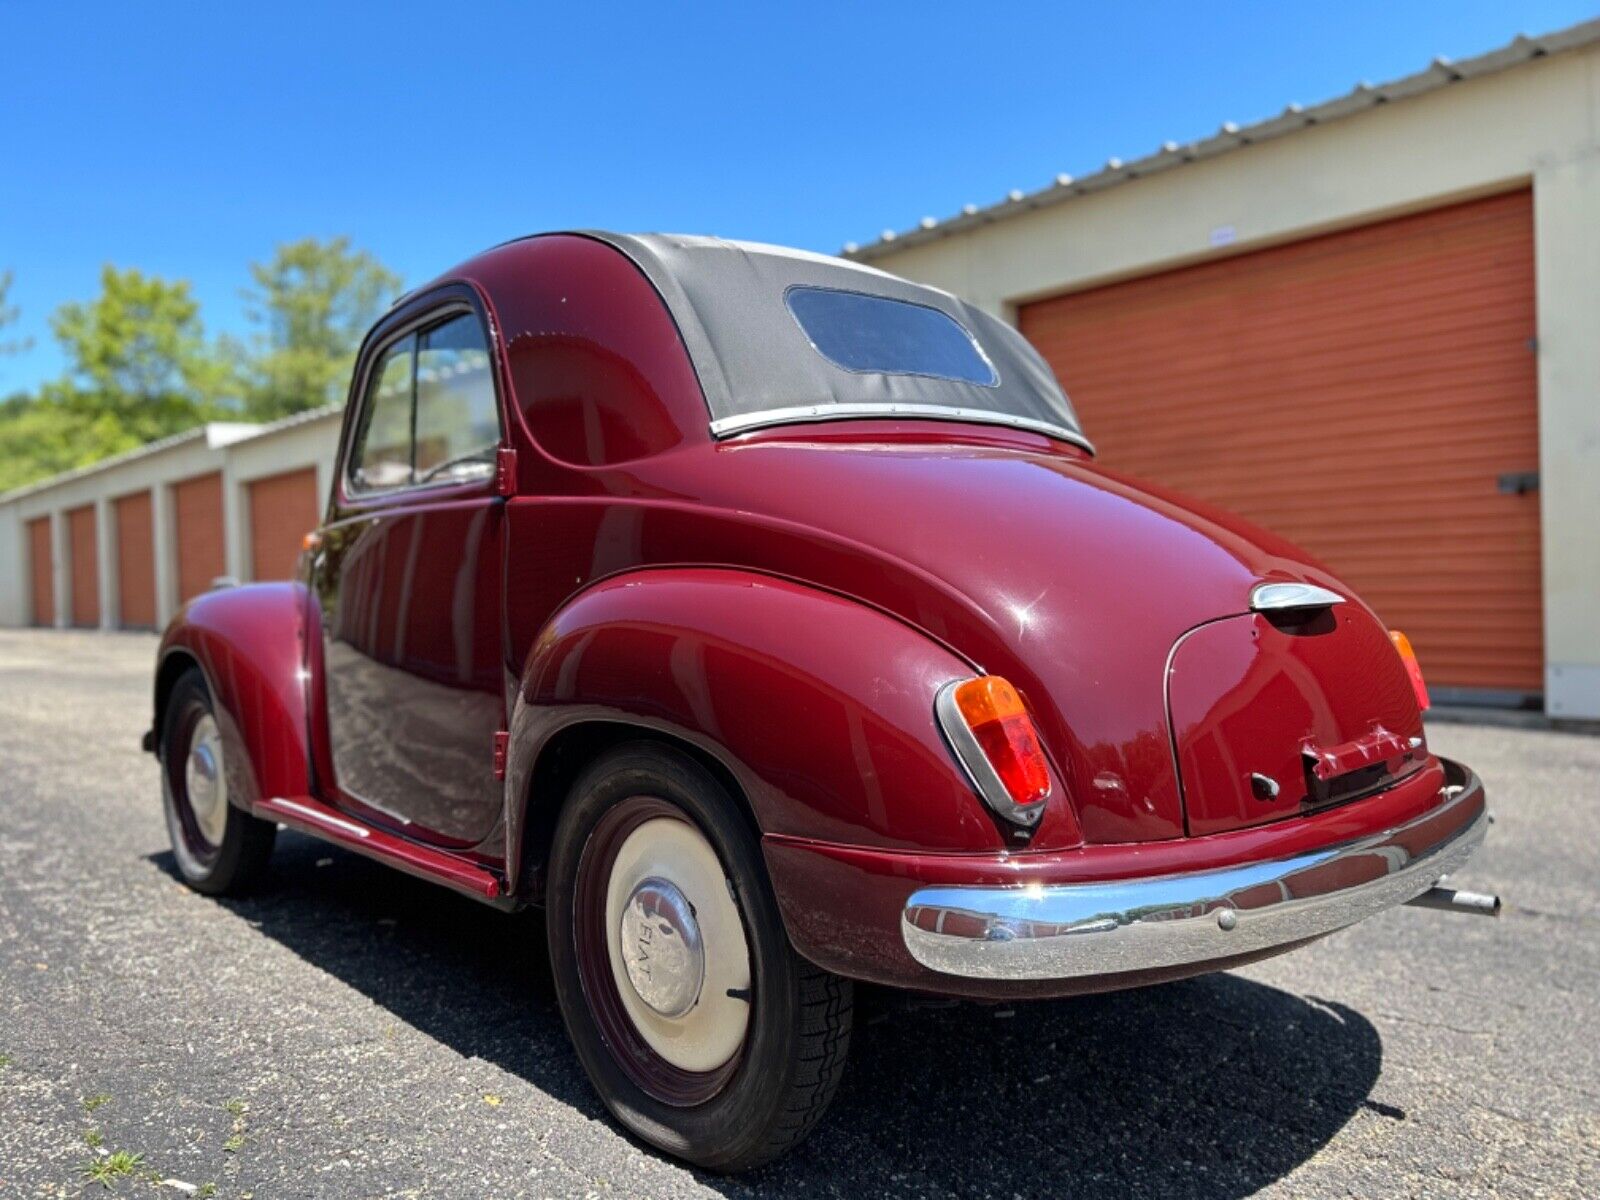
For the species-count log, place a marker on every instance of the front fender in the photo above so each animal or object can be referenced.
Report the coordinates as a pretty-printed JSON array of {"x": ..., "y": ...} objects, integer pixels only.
[
  {"x": 248, "y": 643},
  {"x": 821, "y": 707}
]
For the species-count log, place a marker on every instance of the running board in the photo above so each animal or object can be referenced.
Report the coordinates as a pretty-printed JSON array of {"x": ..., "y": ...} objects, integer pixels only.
[{"x": 314, "y": 817}]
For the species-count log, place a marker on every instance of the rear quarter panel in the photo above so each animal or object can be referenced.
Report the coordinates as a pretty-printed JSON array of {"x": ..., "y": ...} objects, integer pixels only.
[{"x": 819, "y": 706}]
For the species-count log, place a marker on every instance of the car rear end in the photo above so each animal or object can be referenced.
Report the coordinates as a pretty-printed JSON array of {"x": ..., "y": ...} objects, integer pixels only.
[{"x": 1310, "y": 801}]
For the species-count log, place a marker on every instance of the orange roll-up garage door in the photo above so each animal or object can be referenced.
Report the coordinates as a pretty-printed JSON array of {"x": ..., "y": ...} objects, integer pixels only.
[
  {"x": 42, "y": 567},
  {"x": 136, "y": 568},
  {"x": 197, "y": 515},
  {"x": 283, "y": 509},
  {"x": 85, "y": 568},
  {"x": 1361, "y": 393}
]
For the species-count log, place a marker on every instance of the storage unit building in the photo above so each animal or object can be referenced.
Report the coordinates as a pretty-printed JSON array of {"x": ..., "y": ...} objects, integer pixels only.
[
  {"x": 1367, "y": 325},
  {"x": 85, "y": 567},
  {"x": 136, "y": 568},
  {"x": 282, "y": 508},
  {"x": 41, "y": 568},
  {"x": 197, "y": 510},
  {"x": 1291, "y": 385},
  {"x": 122, "y": 543}
]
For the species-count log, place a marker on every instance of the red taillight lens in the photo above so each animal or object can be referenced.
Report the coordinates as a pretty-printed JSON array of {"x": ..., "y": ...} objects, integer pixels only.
[
  {"x": 1409, "y": 656},
  {"x": 993, "y": 712}
]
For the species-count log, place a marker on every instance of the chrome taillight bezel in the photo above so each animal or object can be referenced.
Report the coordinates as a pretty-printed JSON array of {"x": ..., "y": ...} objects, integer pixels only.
[{"x": 975, "y": 763}]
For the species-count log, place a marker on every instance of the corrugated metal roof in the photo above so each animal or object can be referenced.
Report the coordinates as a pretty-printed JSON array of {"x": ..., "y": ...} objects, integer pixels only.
[
  {"x": 1439, "y": 73},
  {"x": 215, "y": 434}
]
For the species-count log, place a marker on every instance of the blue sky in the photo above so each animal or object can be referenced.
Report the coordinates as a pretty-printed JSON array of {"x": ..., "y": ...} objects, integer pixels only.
[{"x": 188, "y": 140}]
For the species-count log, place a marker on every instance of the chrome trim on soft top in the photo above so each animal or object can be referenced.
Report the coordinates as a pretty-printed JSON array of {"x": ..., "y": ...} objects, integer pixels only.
[
  {"x": 744, "y": 422},
  {"x": 1283, "y": 597},
  {"x": 1069, "y": 931}
]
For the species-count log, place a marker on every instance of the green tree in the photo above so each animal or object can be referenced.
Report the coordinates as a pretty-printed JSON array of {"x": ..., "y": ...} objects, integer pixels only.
[
  {"x": 39, "y": 439},
  {"x": 138, "y": 361},
  {"x": 312, "y": 302},
  {"x": 139, "y": 368}
]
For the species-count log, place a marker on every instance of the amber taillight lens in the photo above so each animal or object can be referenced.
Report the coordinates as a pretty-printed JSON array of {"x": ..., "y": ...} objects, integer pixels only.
[
  {"x": 1409, "y": 656},
  {"x": 994, "y": 737}
]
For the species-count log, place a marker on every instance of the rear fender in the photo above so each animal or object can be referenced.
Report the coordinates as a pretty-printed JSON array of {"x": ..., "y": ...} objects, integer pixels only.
[
  {"x": 819, "y": 707},
  {"x": 248, "y": 643}
]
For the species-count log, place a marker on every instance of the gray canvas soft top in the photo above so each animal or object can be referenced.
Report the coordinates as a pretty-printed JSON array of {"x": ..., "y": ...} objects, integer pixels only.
[{"x": 757, "y": 366}]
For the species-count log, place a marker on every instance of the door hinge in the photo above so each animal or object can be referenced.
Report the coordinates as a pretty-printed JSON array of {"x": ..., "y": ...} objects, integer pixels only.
[
  {"x": 502, "y": 746},
  {"x": 505, "y": 471}
]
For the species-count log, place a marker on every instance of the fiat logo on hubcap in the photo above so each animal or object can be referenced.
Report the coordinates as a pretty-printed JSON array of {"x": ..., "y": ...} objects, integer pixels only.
[{"x": 661, "y": 947}]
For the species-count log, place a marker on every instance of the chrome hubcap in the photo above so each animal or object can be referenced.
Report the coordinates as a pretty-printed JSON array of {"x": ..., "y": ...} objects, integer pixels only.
[
  {"x": 661, "y": 947},
  {"x": 204, "y": 782}
]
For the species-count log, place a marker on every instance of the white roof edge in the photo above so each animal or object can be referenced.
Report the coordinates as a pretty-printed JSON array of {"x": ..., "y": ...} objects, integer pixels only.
[
  {"x": 215, "y": 434},
  {"x": 1439, "y": 73},
  {"x": 221, "y": 433}
]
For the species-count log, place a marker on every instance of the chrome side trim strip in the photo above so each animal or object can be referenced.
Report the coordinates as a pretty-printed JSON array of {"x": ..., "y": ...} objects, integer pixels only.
[
  {"x": 1070, "y": 931},
  {"x": 1282, "y": 597},
  {"x": 728, "y": 426}
]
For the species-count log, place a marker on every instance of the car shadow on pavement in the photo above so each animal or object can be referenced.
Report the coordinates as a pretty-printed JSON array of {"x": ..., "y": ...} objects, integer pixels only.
[{"x": 1212, "y": 1087}]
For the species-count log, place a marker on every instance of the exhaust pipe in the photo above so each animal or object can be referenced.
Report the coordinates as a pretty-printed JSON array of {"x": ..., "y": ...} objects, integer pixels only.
[{"x": 1449, "y": 900}]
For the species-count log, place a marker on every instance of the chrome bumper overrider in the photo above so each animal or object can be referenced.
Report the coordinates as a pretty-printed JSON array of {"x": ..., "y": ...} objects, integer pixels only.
[{"x": 1068, "y": 931}]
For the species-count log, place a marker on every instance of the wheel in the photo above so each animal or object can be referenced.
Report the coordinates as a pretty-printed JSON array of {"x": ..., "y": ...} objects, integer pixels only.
[
  {"x": 219, "y": 848},
  {"x": 703, "y": 1031}
]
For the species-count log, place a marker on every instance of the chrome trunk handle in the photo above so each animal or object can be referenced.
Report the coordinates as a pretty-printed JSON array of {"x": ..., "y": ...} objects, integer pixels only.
[{"x": 1284, "y": 597}]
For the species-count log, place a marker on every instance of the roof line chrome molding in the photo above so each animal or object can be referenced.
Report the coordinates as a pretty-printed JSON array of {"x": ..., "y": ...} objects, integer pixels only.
[
  {"x": 1071, "y": 931},
  {"x": 1285, "y": 597},
  {"x": 975, "y": 763},
  {"x": 725, "y": 427}
]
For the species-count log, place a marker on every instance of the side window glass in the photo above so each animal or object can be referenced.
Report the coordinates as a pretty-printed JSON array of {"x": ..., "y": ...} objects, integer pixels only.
[
  {"x": 382, "y": 454},
  {"x": 458, "y": 422}
]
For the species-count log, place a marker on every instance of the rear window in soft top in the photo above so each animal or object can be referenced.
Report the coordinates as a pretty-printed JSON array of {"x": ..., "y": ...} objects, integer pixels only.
[{"x": 866, "y": 333}]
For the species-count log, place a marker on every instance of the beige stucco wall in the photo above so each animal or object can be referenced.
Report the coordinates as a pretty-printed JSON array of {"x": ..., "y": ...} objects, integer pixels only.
[{"x": 1537, "y": 122}]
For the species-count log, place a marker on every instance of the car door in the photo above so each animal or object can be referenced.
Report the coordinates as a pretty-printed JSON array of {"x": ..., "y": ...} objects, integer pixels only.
[{"x": 407, "y": 574}]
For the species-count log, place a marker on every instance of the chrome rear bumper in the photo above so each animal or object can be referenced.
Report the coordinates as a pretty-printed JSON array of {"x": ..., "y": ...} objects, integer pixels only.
[{"x": 1069, "y": 931}]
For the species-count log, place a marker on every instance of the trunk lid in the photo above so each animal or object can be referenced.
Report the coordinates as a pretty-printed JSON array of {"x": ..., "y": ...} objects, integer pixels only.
[{"x": 1277, "y": 715}]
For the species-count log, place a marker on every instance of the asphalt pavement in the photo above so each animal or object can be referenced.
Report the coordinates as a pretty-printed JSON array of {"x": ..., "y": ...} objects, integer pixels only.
[{"x": 351, "y": 1032}]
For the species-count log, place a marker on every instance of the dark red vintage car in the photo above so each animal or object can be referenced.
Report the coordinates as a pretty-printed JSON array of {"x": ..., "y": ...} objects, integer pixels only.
[{"x": 768, "y": 622}]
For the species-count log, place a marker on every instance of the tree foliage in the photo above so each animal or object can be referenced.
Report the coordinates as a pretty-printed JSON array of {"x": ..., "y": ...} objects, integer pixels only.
[
  {"x": 39, "y": 439},
  {"x": 138, "y": 358},
  {"x": 35, "y": 439},
  {"x": 140, "y": 367},
  {"x": 312, "y": 303}
]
